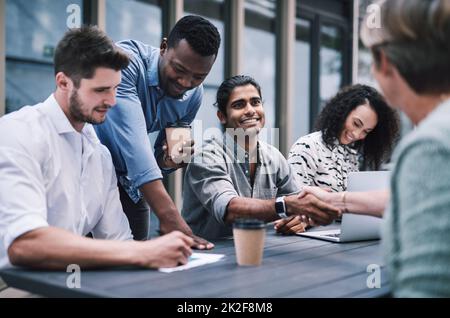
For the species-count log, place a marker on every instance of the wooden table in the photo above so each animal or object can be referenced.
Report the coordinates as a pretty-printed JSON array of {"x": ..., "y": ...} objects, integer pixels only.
[{"x": 292, "y": 267}]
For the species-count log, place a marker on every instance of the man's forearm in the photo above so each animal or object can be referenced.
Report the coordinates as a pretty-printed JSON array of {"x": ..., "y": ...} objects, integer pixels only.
[
  {"x": 159, "y": 200},
  {"x": 251, "y": 208},
  {"x": 55, "y": 248}
]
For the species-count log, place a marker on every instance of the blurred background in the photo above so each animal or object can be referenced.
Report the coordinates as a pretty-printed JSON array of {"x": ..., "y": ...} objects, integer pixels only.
[{"x": 300, "y": 51}]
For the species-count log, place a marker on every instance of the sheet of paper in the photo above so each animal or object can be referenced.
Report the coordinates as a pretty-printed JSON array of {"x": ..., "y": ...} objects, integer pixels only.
[{"x": 196, "y": 259}]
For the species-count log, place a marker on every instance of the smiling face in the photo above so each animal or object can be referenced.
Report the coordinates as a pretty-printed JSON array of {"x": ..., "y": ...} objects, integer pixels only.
[
  {"x": 181, "y": 68},
  {"x": 359, "y": 123},
  {"x": 244, "y": 109}
]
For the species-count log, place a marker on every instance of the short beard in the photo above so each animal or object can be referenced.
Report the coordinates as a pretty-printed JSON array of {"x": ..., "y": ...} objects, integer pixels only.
[
  {"x": 76, "y": 110},
  {"x": 176, "y": 96},
  {"x": 179, "y": 96},
  {"x": 165, "y": 88}
]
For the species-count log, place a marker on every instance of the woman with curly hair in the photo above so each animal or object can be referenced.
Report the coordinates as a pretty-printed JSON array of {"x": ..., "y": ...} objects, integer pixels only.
[{"x": 355, "y": 124}]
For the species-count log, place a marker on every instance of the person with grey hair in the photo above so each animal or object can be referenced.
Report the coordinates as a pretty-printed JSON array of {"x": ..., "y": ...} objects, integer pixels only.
[
  {"x": 237, "y": 175},
  {"x": 411, "y": 54}
]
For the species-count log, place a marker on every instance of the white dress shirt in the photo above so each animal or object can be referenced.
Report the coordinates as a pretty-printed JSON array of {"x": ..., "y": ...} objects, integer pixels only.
[{"x": 51, "y": 175}]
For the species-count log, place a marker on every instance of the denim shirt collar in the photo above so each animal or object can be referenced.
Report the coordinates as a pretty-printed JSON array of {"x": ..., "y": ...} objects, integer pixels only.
[{"x": 153, "y": 74}]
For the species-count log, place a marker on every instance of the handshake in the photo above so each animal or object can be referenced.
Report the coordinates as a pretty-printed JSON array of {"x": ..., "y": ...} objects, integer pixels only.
[{"x": 308, "y": 208}]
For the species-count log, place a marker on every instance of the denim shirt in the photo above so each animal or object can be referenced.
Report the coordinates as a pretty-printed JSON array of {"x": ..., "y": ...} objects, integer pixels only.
[{"x": 142, "y": 107}]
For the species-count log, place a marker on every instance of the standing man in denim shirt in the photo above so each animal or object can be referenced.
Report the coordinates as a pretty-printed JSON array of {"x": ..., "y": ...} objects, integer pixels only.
[{"x": 160, "y": 87}]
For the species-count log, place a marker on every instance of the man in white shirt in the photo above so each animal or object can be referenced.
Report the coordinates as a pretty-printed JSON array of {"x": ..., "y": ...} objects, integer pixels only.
[{"x": 57, "y": 181}]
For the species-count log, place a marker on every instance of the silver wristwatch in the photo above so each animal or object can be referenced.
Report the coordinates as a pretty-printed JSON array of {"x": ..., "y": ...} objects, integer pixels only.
[{"x": 280, "y": 207}]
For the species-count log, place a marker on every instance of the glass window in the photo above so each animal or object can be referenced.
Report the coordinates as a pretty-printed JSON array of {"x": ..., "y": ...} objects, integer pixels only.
[
  {"x": 213, "y": 11},
  {"x": 27, "y": 83},
  {"x": 331, "y": 61},
  {"x": 137, "y": 20},
  {"x": 301, "y": 112},
  {"x": 33, "y": 28},
  {"x": 364, "y": 55},
  {"x": 259, "y": 51},
  {"x": 365, "y": 76},
  {"x": 364, "y": 65}
]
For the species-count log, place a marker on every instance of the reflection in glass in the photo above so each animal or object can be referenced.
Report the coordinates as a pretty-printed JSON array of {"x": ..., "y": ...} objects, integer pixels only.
[
  {"x": 27, "y": 84},
  {"x": 131, "y": 19},
  {"x": 331, "y": 60},
  {"x": 300, "y": 124},
  {"x": 213, "y": 11},
  {"x": 259, "y": 51},
  {"x": 33, "y": 28},
  {"x": 365, "y": 76},
  {"x": 364, "y": 55},
  {"x": 364, "y": 65}
]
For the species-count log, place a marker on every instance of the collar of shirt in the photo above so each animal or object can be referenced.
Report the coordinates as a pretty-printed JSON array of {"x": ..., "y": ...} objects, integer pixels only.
[
  {"x": 52, "y": 109},
  {"x": 153, "y": 73},
  {"x": 62, "y": 124},
  {"x": 343, "y": 148},
  {"x": 239, "y": 154},
  {"x": 349, "y": 149}
]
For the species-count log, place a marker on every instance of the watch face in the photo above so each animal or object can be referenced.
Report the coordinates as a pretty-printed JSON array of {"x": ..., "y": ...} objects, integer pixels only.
[{"x": 279, "y": 206}]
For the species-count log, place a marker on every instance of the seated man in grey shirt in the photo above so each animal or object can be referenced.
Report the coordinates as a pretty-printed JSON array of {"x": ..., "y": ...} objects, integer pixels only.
[{"x": 237, "y": 175}]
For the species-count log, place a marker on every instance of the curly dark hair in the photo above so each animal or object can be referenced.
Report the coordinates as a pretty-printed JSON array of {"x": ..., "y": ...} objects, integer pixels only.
[
  {"x": 201, "y": 35},
  {"x": 378, "y": 144}
]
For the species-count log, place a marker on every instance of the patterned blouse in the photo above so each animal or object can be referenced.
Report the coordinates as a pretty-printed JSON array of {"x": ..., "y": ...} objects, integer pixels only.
[{"x": 316, "y": 164}]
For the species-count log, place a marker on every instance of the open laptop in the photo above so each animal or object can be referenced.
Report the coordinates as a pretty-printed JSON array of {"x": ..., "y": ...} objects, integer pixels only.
[{"x": 356, "y": 227}]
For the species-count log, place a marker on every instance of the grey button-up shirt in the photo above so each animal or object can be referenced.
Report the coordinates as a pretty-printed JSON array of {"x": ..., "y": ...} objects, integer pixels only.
[{"x": 220, "y": 173}]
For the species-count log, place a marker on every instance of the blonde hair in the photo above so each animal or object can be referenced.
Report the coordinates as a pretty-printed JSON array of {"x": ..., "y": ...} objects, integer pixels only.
[{"x": 415, "y": 37}]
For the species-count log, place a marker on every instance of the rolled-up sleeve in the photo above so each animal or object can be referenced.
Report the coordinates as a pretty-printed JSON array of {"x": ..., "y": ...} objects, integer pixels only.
[
  {"x": 125, "y": 134},
  {"x": 286, "y": 183},
  {"x": 211, "y": 184},
  {"x": 22, "y": 196}
]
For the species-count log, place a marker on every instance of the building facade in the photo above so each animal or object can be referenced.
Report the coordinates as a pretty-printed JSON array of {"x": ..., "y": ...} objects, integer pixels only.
[{"x": 301, "y": 52}]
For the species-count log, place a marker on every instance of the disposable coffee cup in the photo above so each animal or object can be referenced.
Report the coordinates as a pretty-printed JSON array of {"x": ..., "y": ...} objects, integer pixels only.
[
  {"x": 249, "y": 236},
  {"x": 176, "y": 135}
]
